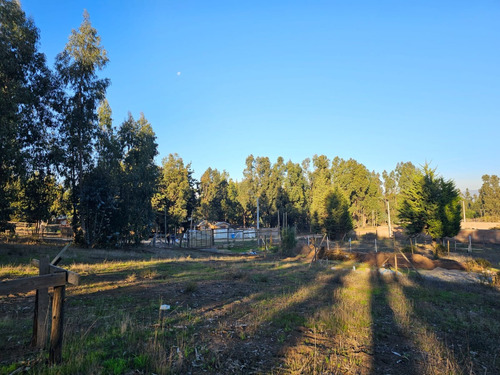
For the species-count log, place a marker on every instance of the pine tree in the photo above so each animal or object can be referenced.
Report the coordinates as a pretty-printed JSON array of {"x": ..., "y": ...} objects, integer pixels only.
[{"x": 431, "y": 205}]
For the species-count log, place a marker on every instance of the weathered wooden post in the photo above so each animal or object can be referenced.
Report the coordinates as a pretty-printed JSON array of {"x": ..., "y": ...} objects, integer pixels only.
[
  {"x": 41, "y": 315},
  {"x": 56, "y": 332}
]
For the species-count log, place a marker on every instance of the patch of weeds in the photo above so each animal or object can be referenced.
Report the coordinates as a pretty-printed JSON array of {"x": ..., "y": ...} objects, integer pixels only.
[
  {"x": 281, "y": 338},
  {"x": 141, "y": 361},
  {"x": 289, "y": 320},
  {"x": 131, "y": 278},
  {"x": 484, "y": 263},
  {"x": 115, "y": 366},
  {"x": 150, "y": 274},
  {"x": 439, "y": 250},
  {"x": 191, "y": 287},
  {"x": 260, "y": 278},
  {"x": 9, "y": 369}
]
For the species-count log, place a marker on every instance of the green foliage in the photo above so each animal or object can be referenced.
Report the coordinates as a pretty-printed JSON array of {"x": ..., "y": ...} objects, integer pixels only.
[
  {"x": 176, "y": 194},
  {"x": 361, "y": 187},
  {"x": 28, "y": 101},
  {"x": 35, "y": 198},
  {"x": 431, "y": 205},
  {"x": 77, "y": 67},
  {"x": 213, "y": 190},
  {"x": 489, "y": 196},
  {"x": 288, "y": 240},
  {"x": 138, "y": 182},
  {"x": 439, "y": 250},
  {"x": 337, "y": 221}
]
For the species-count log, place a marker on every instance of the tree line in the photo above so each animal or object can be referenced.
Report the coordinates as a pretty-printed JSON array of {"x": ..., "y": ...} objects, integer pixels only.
[{"x": 62, "y": 156}]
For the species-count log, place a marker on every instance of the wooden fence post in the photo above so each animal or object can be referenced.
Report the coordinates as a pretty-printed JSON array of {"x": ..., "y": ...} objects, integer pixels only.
[
  {"x": 56, "y": 332},
  {"x": 41, "y": 316}
]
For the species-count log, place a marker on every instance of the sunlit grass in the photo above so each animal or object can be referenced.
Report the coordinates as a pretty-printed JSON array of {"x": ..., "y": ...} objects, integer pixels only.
[
  {"x": 437, "y": 358},
  {"x": 299, "y": 318}
]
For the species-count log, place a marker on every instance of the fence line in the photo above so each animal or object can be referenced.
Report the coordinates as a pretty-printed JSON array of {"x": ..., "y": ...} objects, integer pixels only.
[
  {"x": 228, "y": 236},
  {"x": 50, "y": 276},
  {"x": 44, "y": 231}
]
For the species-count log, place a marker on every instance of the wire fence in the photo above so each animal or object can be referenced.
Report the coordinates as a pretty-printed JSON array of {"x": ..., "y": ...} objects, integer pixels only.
[
  {"x": 42, "y": 231},
  {"x": 230, "y": 237}
]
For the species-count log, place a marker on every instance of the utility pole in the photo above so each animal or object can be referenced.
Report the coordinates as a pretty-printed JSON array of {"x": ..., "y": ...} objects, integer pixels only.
[
  {"x": 389, "y": 218},
  {"x": 257, "y": 213}
]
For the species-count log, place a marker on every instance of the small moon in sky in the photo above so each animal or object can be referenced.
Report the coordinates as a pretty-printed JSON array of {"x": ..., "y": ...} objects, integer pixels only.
[{"x": 178, "y": 73}]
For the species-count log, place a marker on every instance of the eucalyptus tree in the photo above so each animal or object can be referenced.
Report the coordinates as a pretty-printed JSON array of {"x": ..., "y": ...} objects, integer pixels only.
[
  {"x": 295, "y": 188},
  {"x": 489, "y": 196},
  {"x": 263, "y": 181},
  {"x": 361, "y": 187},
  {"x": 28, "y": 106},
  {"x": 139, "y": 179},
  {"x": 247, "y": 192},
  {"x": 78, "y": 66},
  {"x": 321, "y": 186},
  {"x": 233, "y": 211},
  {"x": 175, "y": 199},
  {"x": 100, "y": 189},
  {"x": 213, "y": 195}
]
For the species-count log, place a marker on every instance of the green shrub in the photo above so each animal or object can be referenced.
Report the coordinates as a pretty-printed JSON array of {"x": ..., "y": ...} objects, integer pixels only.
[
  {"x": 288, "y": 240},
  {"x": 483, "y": 262},
  {"x": 440, "y": 250}
]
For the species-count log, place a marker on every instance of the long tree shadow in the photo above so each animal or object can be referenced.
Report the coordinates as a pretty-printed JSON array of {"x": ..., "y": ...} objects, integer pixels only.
[
  {"x": 390, "y": 344},
  {"x": 274, "y": 333},
  {"x": 463, "y": 318}
]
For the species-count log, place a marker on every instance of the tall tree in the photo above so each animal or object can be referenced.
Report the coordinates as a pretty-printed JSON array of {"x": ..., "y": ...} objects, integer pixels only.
[
  {"x": 78, "y": 66},
  {"x": 231, "y": 206},
  {"x": 472, "y": 205},
  {"x": 360, "y": 186},
  {"x": 337, "y": 221},
  {"x": 489, "y": 196},
  {"x": 100, "y": 188},
  {"x": 139, "y": 178},
  {"x": 213, "y": 191},
  {"x": 28, "y": 101},
  {"x": 321, "y": 186},
  {"x": 175, "y": 199},
  {"x": 431, "y": 205},
  {"x": 296, "y": 187}
]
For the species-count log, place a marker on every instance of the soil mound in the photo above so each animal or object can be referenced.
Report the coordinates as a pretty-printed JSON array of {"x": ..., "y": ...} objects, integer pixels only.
[
  {"x": 449, "y": 264},
  {"x": 418, "y": 261}
]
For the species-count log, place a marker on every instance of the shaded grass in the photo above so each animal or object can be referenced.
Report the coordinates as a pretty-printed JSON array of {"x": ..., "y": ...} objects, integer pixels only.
[{"x": 241, "y": 315}]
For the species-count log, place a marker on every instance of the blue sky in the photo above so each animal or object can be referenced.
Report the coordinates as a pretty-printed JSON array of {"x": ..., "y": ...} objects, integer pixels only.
[{"x": 377, "y": 81}]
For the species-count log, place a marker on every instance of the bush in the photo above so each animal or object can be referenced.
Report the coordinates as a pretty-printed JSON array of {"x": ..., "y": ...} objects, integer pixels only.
[
  {"x": 288, "y": 241},
  {"x": 483, "y": 263},
  {"x": 440, "y": 250}
]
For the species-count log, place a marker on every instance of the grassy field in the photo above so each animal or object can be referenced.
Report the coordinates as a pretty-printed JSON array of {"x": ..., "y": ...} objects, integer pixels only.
[{"x": 241, "y": 314}]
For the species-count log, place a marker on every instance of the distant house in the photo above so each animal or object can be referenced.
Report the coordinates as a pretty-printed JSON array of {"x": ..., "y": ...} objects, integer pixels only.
[{"x": 206, "y": 225}]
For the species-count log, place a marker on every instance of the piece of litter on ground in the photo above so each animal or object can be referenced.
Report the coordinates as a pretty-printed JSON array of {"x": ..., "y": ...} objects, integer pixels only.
[
  {"x": 386, "y": 271},
  {"x": 396, "y": 353},
  {"x": 165, "y": 307}
]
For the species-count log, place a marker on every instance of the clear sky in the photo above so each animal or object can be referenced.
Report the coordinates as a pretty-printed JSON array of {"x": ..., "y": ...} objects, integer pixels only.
[{"x": 377, "y": 81}]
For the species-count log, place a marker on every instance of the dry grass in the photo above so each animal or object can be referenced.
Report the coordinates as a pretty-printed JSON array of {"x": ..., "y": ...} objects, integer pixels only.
[{"x": 249, "y": 315}]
